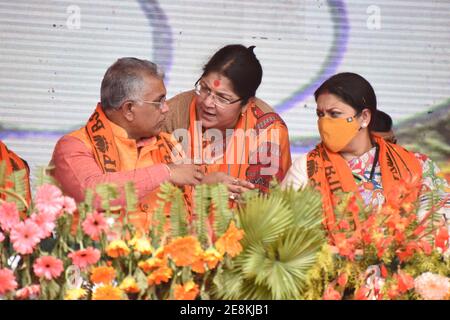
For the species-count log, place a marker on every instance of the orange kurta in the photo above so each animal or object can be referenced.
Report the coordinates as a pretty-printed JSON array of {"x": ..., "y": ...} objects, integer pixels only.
[{"x": 114, "y": 151}]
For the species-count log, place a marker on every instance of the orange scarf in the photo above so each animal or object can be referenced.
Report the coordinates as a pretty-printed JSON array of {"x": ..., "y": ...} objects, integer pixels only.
[
  {"x": 240, "y": 148},
  {"x": 164, "y": 149},
  {"x": 329, "y": 173},
  {"x": 14, "y": 163}
]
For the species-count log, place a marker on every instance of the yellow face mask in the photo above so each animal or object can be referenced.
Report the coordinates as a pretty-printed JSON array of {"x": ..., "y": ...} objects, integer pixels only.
[{"x": 337, "y": 133}]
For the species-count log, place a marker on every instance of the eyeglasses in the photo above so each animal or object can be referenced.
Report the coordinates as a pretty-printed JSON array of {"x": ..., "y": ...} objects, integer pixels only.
[
  {"x": 205, "y": 92},
  {"x": 160, "y": 103}
]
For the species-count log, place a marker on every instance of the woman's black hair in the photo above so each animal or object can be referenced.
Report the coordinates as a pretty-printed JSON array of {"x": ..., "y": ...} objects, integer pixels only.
[
  {"x": 240, "y": 65},
  {"x": 352, "y": 89}
]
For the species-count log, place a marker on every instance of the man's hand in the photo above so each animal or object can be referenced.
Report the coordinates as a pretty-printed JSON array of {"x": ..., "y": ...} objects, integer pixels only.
[
  {"x": 185, "y": 174},
  {"x": 235, "y": 186}
]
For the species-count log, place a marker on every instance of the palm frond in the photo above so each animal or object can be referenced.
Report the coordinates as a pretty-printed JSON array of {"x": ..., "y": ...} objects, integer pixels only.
[{"x": 264, "y": 219}]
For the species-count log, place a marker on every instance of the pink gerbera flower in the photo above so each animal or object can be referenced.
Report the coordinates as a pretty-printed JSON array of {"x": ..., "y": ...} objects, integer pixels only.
[
  {"x": 94, "y": 225},
  {"x": 30, "y": 292},
  {"x": 70, "y": 205},
  {"x": 7, "y": 281},
  {"x": 9, "y": 216},
  {"x": 25, "y": 236},
  {"x": 48, "y": 267},
  {"x": 83, "y": 258},
  {"x": 49, "y": 199},
  {"x": 46, "y": 223}
]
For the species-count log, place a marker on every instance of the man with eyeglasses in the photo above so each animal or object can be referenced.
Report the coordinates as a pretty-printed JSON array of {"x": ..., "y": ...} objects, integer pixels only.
[{"x": 122, "y": 141}]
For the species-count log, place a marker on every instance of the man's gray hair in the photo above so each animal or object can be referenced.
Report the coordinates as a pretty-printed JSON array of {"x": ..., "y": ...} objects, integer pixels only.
[{"x": 124, "y": 81}]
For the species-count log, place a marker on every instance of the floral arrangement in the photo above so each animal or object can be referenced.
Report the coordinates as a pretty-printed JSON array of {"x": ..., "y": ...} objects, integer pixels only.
[
  {"x": 269, "y": 247},
  {"x": 54, "y": 249},
  {"x": 394, "y": 252}
]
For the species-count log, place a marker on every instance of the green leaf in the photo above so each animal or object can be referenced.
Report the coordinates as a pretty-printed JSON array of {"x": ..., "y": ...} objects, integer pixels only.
[
  {"x": 107, "y": 193},
  {"x": 20, "y": 188},
  {"x": 43, "y": 176},
  {"x": 201, "y": 206},
  {"x": 178, "y": 214},
  {"x": 130, "y": 197},
  {"x": 222, "y": 213},
  {"x": 2, "y": 173}
]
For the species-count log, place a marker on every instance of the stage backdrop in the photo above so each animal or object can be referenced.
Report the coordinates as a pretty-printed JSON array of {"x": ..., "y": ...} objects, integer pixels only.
[{"x": 54, "y": 54}]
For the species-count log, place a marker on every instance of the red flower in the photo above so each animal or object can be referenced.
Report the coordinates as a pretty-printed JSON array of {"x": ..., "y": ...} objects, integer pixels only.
[
  {"x": 405, "y": 281},
  {"x": 441, "y": 239},
  {"x": 331, "y": 294},
  {"x": 361, "y": 293},
  {"x": 342, "y": 279},
  {"x": 384, "y": 272}
]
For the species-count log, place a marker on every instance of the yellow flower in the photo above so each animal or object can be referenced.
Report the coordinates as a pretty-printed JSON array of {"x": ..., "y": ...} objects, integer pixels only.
[
  {"x": 129, "y": 285},
  {"x": 75, "y": 294},
  {"x": 141, "y": 245},
  {"x": 117, "y": 248},
  {"x": 108, "y": 292},
  {"x": 229, "y": 241}
]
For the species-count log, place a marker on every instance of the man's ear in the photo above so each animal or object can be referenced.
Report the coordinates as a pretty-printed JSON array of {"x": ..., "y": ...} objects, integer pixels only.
[{"x": 127, "y": 110}]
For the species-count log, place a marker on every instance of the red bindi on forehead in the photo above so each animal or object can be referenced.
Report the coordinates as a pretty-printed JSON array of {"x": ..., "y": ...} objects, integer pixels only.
[{"x": 216, "y": 83}]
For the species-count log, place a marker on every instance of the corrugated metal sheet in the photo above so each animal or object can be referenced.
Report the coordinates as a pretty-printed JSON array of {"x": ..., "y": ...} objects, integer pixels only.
[{"x": 50, "y": 74}]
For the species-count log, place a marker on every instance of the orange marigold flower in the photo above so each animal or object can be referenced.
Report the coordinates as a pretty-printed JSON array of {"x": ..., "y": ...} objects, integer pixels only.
[
  {"x": 184, "y": 251},
  {"x": 151, "y": 264},
  {"x": 103, "y": 275},
  {"x": 199, "y": 266},
  {"x": 108, "y": 292},
  {"x": 212, "y": 257},
  {"x": 117, "y": 248},
  {"x": 129, "y": 285},
  {"x": 189, "y": 291},
  {"x": 209, "y": 258},
  {"x": 160, "y": 275},
  {"x": 229, "y": 241}
]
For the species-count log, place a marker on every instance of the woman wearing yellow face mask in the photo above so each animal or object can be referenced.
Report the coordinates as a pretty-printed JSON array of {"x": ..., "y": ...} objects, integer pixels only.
[{"x": 351, "y": 159}]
